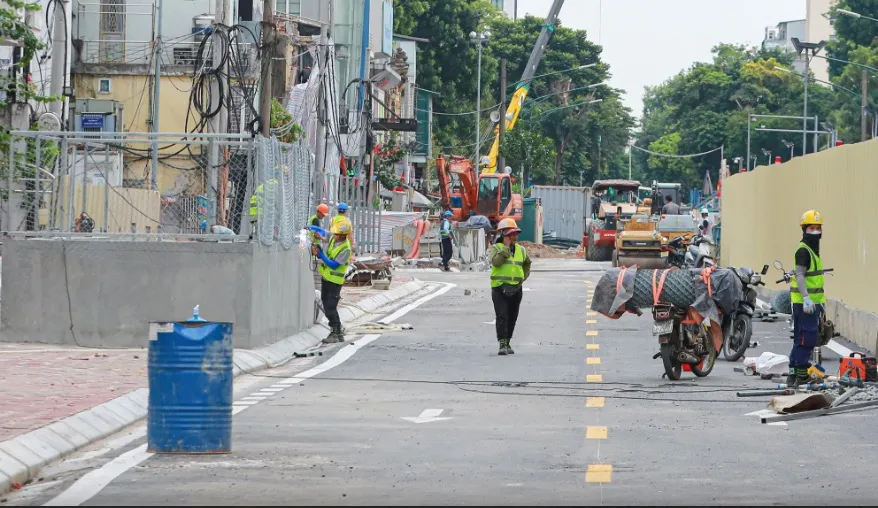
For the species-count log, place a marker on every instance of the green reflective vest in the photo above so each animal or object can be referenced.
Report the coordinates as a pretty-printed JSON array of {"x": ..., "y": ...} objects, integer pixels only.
[
  {"x": 336, "y": 276},
  {"x": 813, "y": 280},
  {"x": 337, "y": 218},
  {"x": 315, "y": 221},
  {"x": 512, "y": 271},
  {"x": 257, "y": 199}
]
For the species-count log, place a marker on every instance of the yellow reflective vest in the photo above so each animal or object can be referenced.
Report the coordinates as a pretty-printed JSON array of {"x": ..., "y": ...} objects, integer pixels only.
[
  {"x": 813, "y": 280},
  {"x": 512, "y": 271},
  {"x": 336, "y": 276}
]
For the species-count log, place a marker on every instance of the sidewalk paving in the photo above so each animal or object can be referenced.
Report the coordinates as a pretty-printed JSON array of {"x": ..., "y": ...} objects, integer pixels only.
[{"x": 44, "y": 386}]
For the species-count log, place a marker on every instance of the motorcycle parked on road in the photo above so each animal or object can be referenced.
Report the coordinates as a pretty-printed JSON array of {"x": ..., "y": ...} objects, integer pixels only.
[
  {"x": 683, "y": 343},
  {"x": 738, "y": 326},
  {"x": 698, "y": 254}
]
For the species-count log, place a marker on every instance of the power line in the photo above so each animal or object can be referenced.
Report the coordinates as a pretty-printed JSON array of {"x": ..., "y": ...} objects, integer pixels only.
[{"x": 676, "y": 156}]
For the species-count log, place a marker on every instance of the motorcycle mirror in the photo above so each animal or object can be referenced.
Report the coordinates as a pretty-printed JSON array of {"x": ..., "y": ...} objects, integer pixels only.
[
  {"x": 778, "y": 265},
  {"x": 764, "y": 269}
]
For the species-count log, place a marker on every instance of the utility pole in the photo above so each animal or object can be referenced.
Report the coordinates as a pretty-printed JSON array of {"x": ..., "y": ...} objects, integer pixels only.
[
  {"x": 501, "y": 162},
  {"x": 805, "y": 114},
  {"x": 60, "y": 41},
  {"x": 268, "y": 43},
  {"x": 156, "y": 92},
  {"x": 219, "y": 123},
  {"x": 864, "y": 104},
  {"x": 515, "y": 11}
]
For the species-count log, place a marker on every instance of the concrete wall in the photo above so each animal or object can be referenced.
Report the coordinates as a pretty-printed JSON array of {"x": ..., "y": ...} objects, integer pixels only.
[
  {"x": 761, "y": 213},
  {"x": 116, "y": 288}
]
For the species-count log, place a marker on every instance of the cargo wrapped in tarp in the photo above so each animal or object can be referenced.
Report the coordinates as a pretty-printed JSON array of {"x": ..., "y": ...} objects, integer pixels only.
[{"x": 627, "y": 289}]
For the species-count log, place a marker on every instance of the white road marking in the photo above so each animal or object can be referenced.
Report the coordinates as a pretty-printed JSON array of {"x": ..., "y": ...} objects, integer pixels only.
[
  {"x": 257, "y": 398},
  {"x": 492, "y": 322},
  {"x": 408, "y": 308},
  {"x": 427, "y": 416},
  {"x": 94, "y": 482},
  {"x": 272, "y": 390}
]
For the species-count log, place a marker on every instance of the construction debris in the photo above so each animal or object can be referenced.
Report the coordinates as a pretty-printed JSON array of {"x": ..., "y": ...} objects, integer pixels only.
[{"x": 539, "y": 250}]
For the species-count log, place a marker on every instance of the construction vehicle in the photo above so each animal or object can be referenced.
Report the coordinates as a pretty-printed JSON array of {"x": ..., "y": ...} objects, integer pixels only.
[
  {"x": 660, "y": 190},
  {"x": 611, "y": 200},
  {"x": 672, "y": 226},
  {"x": 639, "y": 243},
  {"x": 486, "y": 194},
  {"x": 523, "y": 86}
]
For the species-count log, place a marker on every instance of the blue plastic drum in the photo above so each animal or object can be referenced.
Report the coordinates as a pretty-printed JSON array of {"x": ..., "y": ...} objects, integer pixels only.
[{"x": 190, "y": 388}]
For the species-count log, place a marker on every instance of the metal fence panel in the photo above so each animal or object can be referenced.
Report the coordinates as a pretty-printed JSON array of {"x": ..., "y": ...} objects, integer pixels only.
[{"x": 564, "y": 209}]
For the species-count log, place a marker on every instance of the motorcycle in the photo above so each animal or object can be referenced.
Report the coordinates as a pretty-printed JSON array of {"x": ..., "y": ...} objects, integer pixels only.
[
  {"x": 825, "y": 327},
  {"x": 698, "y": 254},
  {"x": 683, "y": 343},
  {"x": 738, "y": 326}
]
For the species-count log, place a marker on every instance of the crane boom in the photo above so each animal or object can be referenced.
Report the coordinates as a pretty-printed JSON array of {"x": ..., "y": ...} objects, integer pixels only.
[{"x": 517, "y": 100}]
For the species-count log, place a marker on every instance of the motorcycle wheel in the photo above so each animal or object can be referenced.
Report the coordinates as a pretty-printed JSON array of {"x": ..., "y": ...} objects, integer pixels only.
[
  {"x": 706, "y": 365},
  {"x": 673, "y": 368},
  {"x": 736, "y": 338}
]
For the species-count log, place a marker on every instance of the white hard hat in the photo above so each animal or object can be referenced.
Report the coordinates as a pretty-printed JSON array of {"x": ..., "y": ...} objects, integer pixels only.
[{"x": 704, "y": 210}]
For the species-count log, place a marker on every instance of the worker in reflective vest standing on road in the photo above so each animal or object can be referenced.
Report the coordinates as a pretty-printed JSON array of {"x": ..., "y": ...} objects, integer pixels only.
[
  {"x": 446, "y": 234},
  {"x": 257, "y": 203},
  {"x": 510, "y": 267},
  {"x": 333, "y": 268},
  {"x": 807, "y": 297}
]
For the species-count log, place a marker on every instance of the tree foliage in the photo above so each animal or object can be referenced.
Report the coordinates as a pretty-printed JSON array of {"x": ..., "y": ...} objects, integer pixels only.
[
  {"x": 707, "y": 106},
  {"x": 584, "y": 139}
]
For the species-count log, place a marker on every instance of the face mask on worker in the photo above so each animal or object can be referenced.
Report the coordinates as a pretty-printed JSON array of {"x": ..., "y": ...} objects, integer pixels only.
[{"x": 812, "y": 239}]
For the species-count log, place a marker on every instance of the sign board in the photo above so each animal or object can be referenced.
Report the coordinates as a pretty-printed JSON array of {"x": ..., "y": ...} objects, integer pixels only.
[{"x": 92, "y": 121}]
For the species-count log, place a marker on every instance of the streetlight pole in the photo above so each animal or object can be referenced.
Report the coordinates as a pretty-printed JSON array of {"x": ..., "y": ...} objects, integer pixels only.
[
  {"x": 854, "y": 14},
  {"x": 810, "y": 49}
]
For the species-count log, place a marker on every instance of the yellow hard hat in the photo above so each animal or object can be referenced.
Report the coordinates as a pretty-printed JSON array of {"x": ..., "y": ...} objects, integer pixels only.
[
  {"x": 506, "y": 224},
  {"x": 812, "y": 217},
  {"x": 342, "y": 227}
]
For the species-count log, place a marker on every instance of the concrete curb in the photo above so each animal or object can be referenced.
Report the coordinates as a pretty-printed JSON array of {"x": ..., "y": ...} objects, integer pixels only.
[{"x": 22, "y": 457}]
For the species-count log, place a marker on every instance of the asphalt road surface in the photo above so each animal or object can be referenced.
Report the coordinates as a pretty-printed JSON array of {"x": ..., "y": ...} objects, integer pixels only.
[{"x": 579, "y": 415}]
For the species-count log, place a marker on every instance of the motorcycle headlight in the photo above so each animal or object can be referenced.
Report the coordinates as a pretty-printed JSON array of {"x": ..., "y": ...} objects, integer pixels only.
[{"x": 755, "y": 278}]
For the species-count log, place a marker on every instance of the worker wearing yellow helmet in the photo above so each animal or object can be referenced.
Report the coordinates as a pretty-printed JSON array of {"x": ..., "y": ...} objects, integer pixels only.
[
  {"x": 510, "y": 267},
  {"x": 807, "y": 297},
  {"x": 333, "y": 268}
]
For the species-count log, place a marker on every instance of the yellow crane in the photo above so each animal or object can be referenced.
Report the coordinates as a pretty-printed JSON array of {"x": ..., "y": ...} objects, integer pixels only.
[{"x": 520, "y": 94}]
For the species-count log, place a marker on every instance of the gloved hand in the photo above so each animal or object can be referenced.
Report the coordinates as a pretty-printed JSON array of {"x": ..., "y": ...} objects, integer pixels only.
[{"x": 809, "y": 305}]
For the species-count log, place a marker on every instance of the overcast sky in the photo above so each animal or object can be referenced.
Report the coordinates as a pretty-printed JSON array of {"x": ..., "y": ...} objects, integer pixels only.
[{"x": 647, "y": 41}]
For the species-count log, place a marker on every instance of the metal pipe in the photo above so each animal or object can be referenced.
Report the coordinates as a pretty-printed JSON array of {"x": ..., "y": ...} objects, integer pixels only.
[
  {"x": 106, "y": 190},
  {"x": 749, "y": 118},
  {"x": 71, "y": 182},
  {"x": 38, "y": 186},
  {"x": 790, "y": 130},
  {"x": 157, "y": 88},
  {"x": 805, "y": 114}
]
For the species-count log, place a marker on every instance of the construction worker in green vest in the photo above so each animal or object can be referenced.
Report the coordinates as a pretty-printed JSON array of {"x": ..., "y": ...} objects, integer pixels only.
[
  {"x": 510, "y": 267},
  {"x": 317, "y": 220},
  {"x": 342, "y": 210},
  {"x": 257, "y": 201},
  {"x": 333, "y": 268},
  {"x": 807, "y": 297}
]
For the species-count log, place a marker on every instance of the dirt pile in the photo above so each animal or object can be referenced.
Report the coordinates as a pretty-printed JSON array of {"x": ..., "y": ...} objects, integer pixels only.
[{"x": 547, "y": 251}]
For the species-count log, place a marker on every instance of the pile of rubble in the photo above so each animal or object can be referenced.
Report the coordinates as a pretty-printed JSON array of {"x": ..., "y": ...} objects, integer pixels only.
[{"x": 538, "y": 250}]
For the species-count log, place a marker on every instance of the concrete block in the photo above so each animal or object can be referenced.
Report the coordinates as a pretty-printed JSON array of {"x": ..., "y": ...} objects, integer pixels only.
[
  {"x": 68, "y": 433},
  {"x": 110, "y": 416},
  {"x": 5, "y": 484},
  {"x": 53, "y": 440},
  {"x": 13, "y": 469},
  {"x": 129, "y": 406},
  {"x": 31, "y": 459},
  {"x": 119, "y": 410},
  {"x": 87, "y": 428},
  {"x": 103, "y": 426},
  {"x": 140, "y": 397}
]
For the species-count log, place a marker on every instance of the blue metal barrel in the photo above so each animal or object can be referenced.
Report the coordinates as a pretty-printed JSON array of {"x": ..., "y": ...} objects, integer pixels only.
[{"x": 190, "y": 388}]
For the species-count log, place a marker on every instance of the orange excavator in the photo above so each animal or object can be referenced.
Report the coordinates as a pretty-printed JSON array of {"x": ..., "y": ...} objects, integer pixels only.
[{"x": 488, "y": 194}]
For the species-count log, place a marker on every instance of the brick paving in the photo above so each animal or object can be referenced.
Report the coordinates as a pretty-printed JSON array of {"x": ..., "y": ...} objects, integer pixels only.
[{"x": 41, "y": 384}]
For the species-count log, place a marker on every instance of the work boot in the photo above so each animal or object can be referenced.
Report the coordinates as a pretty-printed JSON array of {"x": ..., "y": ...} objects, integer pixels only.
[
  {"x": 509, "y": 348},
  {"x": 504, "y": 349},
  {"x": 791, "y": 378},
  {"x": 803, "y": 378},
  {"x": 335, "y": 336}
]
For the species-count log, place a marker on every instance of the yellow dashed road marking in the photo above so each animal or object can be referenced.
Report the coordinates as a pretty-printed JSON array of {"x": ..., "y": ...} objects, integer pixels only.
[
  {"x": 599, "y": 473},
  {"x": 591, "y": 333},
  {"x": 591, "y": 321},
  {"x": 595, "y": 432},
  {"x": 588, "y": 282},
  {"x": 592, "y": 346},
  {"x": 591, "y": 313},
  {"x": 594, "y": 378},
  {"x": 595, "y": 402},
  {"x": 593, "y": 361}
]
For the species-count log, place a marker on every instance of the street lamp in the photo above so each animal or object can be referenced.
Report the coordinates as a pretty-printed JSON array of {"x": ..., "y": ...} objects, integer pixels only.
[
  {"x": 791, "y": 146},
  {"x": 739, "y": 160},
  {"x": 810, "y": 49},
  {"x": 768, "y": 154},
  {"x": 481, "y": 39},
  {"x": 854, "y": 14}
]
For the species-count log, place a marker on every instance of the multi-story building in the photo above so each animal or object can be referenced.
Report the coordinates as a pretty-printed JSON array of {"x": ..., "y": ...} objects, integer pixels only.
[
  {"x": 780, "y": 37},
  {"x": 819, "y": 28}
]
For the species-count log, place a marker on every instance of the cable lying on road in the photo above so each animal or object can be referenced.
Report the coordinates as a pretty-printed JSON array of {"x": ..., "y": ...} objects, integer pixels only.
[{"x": 667, "y": 392}]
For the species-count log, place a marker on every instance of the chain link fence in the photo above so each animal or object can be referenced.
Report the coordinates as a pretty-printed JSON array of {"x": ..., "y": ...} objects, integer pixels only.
[{"x": 83, "y": 182}]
